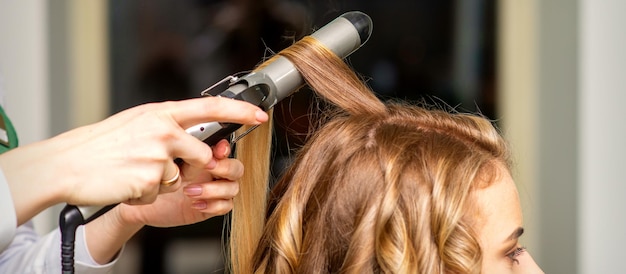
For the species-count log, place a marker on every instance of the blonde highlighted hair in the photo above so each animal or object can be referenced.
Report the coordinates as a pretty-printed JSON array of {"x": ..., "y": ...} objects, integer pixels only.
[{"x": 377, "y": 188}]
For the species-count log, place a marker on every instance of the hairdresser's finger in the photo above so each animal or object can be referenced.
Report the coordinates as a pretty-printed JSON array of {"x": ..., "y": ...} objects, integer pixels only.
[
  {"x": 220, "y": 189},
  {"x": 192, "y": 151},
  {"x": 221, "y": 150},
  {"x": 230, "y": 169},
  {"x": 213, "y": 207},
  {"x": 171, "y": 179},
  {"x": 199, "y": 173},
  {"x": 201, "y": 110},
  {"x": 148, "y": 196}
]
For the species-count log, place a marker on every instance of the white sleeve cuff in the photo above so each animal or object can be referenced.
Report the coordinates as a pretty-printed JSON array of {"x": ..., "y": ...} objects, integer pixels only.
[{"x": 84, "y": 262}]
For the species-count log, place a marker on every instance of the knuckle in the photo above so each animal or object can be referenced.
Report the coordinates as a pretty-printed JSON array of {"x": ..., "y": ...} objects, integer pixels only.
[{"x": 205, "y": 154}]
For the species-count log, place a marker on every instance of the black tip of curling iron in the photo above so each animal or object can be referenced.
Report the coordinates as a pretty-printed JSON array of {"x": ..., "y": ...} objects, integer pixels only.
[{"x": 362, "y": 22}]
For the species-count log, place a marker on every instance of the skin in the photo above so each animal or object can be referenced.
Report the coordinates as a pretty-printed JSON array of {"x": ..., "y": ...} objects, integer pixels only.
[
  {"x": 203, "y": 196},
  {"x": 499, "y": 233},
  {"x": 121, "y": 159}
]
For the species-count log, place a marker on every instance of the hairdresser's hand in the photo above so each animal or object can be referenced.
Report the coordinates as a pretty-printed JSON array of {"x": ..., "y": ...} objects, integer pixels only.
[
  {"x": 121, "y": 159},
  {"x": 203, "y": 196},
  {"x": 205, "y": 193}
]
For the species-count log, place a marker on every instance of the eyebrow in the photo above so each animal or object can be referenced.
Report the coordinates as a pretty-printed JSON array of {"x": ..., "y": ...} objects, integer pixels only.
[{"x": 516, "y": 234}]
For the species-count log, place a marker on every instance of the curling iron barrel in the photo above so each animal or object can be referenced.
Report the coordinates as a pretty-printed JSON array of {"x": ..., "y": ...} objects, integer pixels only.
[{"x": 279, "y": 79}]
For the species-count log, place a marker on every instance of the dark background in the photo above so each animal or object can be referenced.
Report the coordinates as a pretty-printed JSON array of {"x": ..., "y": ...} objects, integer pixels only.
[{"x": 441, "y": 51}]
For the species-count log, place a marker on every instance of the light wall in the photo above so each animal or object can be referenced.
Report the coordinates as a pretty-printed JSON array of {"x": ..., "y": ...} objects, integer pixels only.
[
  {"x": 562, "y": 85},
  {"x": 602, "y": 136},
  {"x": 517, "y": 107},
  {"x": 24, "y": 67}
]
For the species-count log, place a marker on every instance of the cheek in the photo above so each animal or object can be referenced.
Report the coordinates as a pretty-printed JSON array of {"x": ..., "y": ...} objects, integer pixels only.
[{"x": 496, "y": 265}]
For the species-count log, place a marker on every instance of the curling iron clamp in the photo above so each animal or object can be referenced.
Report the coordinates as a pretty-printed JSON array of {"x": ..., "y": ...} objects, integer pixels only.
[
  {"x": 280, "y": 78},
  {"x": 264, "y": 88}
]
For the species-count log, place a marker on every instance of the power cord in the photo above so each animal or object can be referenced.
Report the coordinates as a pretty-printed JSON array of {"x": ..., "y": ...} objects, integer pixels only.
[{"x": 70, "y": 219}]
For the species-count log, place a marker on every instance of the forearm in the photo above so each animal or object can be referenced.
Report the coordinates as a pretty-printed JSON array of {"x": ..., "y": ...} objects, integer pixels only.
[
  {"x": 107, "y": 235},
  {"x": 31, "y": 176}
]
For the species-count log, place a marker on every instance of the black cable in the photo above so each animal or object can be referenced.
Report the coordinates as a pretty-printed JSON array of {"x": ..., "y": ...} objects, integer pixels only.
[{"x": 70, "y": 218}]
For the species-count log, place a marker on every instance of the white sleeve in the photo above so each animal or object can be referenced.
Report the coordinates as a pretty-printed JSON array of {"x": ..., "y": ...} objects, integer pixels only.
[
  {"x": 29, "y": 253},
  {"x": 8, "y": 222},
  {"x": 23, "y": 251}
]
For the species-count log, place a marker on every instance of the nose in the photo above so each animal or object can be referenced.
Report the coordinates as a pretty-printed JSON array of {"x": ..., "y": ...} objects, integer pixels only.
[{"x": 532, "y": 267}]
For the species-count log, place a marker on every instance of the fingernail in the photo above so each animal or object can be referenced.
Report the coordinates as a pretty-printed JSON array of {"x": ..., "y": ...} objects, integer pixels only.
[
  {"x": 198, "y": 204},
  {"x": 225, "y": 152},
  {"x": 212, "y": 164},
  {"x": 261, "y": 116},
  {"x": 192, "y": 190}
]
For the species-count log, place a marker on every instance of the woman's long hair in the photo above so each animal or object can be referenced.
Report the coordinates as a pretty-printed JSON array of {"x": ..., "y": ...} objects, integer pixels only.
[{"x": 377, "y": 188}]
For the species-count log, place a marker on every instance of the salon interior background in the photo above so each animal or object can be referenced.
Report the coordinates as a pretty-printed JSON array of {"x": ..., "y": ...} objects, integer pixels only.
[{"x": 549, "y": 72}]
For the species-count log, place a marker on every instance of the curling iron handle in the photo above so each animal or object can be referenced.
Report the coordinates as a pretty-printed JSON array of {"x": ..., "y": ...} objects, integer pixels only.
[
  {"x": 89, "y": 213},
  {"x": 213, "y": 132}
]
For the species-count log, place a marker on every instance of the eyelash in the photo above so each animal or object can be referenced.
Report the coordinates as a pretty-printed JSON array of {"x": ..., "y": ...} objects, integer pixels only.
[{"x": 516, "y": 253}]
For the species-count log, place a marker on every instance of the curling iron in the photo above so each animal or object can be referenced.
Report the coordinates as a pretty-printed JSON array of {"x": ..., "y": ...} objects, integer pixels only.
[
  {"x": 264, "y": 88},
  {"x": 280, "y": 78}
]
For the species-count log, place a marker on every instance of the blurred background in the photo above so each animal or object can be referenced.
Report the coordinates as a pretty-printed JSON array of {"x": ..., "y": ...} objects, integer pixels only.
[{"x": 549, "y": 73}]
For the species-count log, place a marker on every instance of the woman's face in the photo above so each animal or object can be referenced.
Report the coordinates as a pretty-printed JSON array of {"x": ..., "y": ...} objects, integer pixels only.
[{"x": 501, "y": 228}]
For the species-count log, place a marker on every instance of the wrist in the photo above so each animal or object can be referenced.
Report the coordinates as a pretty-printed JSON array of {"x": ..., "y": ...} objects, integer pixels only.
[
  {"x": 126, "y": 216},
  {"x": 107, "y": 234}
]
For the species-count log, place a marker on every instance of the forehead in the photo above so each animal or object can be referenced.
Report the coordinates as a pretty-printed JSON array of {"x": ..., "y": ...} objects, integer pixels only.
[{"x": 499, "y": 208}]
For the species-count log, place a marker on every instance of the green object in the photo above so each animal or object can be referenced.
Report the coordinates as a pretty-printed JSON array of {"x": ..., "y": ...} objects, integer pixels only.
[{"x": 8, "y": 136}]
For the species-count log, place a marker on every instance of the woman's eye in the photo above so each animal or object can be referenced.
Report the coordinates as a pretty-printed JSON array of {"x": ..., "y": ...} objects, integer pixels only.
[{"x": 516, "y": 253}]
